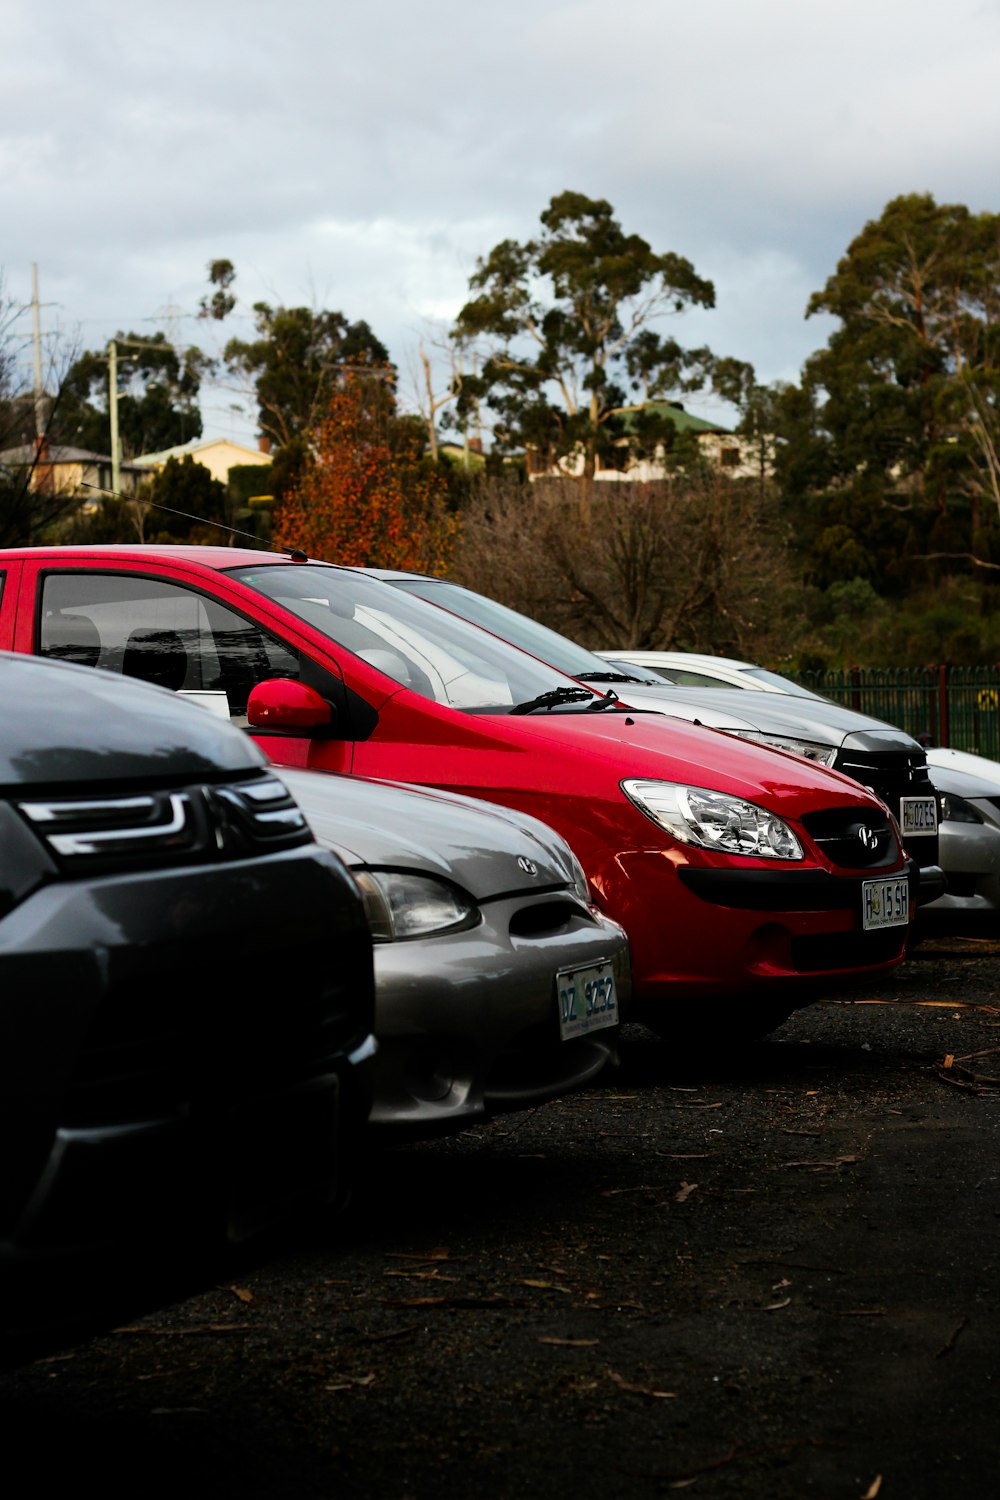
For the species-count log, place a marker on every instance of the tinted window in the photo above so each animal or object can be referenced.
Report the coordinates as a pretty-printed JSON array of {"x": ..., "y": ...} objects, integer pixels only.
[
  {"x": 161, "y": 633},
  {"x": 521, "y": 630}
]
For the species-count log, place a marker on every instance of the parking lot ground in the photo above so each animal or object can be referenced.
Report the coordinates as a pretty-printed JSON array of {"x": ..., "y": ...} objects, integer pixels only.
[{"x": 772, "y": 1274}]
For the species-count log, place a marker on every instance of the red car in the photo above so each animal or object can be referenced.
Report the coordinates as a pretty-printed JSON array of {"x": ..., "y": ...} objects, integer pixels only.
[{"x": 748, "y": 880}]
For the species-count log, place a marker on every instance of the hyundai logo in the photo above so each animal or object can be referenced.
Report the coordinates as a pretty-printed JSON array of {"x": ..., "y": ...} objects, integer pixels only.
[
  {"x": 525, "y": 864},
  {"x": 868, "y": 837}
]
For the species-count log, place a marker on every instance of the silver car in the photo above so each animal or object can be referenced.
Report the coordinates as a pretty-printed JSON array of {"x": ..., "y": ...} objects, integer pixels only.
[
  {"x": 497, "y": 984},
  {"x": 969, "y": 833}
]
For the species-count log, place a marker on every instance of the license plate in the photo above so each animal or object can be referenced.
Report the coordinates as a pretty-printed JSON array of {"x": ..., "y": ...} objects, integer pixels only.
[
  {"x": 917, "y": 815},
  {"x": 588, "y": 1000},
  {"x": 885, "y": 903}
]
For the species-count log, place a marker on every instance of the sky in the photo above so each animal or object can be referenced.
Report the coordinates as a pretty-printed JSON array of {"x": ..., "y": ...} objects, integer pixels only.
[{"x": 362, "y": 157}]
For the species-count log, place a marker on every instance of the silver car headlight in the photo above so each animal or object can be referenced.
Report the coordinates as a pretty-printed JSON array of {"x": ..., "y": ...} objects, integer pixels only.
[
  {"x": 714, "y": 820},
  {"x": 399, "y": 905},
  {"x": 823, "y": 755}
]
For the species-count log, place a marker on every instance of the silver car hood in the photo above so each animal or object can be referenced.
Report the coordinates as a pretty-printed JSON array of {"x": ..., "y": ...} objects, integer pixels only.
[
  {"x": 483, "y": 848},
  {"x": 660, "y": 698},
  {"x": 813, "y": 719}
]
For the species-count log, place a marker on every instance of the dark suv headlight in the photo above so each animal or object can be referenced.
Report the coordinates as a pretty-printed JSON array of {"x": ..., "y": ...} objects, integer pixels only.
[
  {"x": 823, "y": 755},
  {"x": 24, "y": 863},
  {"x": 195, "y": 824}
]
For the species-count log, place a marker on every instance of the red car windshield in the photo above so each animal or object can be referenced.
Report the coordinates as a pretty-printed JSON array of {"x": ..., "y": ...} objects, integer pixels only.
[{"x": 437, "y": 654}]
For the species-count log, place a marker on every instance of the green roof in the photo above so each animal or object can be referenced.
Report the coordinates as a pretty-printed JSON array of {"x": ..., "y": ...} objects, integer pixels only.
[{"x": 682, "y": 420}]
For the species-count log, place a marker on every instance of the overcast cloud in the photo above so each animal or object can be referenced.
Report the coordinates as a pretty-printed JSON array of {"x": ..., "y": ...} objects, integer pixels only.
[{"x": 361, "y": 157}]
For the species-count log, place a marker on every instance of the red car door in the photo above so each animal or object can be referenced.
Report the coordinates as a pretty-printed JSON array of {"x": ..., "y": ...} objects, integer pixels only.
[
  {"x": 182, "y": 629},
  {"x": 10, "y": 577}
]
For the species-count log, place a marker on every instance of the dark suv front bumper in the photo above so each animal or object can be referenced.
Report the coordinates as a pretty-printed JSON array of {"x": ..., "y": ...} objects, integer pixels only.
[{"x": 182, "y": 1068}]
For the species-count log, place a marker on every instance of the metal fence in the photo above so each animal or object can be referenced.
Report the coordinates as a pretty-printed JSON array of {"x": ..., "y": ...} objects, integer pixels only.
[{"x": 956, "y": 706}]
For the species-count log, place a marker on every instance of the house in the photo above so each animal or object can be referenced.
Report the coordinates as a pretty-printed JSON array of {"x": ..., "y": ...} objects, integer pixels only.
[
  {"x": 72, "y": 472},
  {"x": 218, "y": 455},
  {"x": 469, "y": 455},
  {"x": 717, "y": 444}
]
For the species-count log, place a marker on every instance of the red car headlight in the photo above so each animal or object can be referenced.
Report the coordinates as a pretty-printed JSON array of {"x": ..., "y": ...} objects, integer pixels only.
[{"x": 714, "y": 820}]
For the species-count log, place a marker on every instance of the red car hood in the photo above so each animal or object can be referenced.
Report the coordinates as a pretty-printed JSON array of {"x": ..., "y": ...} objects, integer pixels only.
[{"x": 655, "y": 747}]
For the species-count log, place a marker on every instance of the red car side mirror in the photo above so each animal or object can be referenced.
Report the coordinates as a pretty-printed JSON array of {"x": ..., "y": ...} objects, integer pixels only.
[{"x": 282, "y": 703}]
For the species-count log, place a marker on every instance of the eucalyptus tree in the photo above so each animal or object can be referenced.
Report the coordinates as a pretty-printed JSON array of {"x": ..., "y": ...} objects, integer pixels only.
[
  {"x": 908, "y": 387},
  {"x": 570, "y": 324},
  {"x": 295, "y": 359}
]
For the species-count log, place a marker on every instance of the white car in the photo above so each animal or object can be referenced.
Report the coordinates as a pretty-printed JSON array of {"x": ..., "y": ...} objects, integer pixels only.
[
  {"x": 946, "y": 759},
  {"x": 691, "y": 669}
]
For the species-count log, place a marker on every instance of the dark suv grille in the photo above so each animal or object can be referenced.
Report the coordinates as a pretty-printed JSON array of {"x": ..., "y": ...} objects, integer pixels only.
[
  {"x": 159, "y": 1047},
  {"x": 853, "y": 839},
  {"x": 195, "y": 824},
  {"x": 893, "y": 775}
]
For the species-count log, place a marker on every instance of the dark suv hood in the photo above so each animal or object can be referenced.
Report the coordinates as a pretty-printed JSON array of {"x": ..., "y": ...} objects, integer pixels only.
[
  {"x": 135, "y": 733},
  {"x": 801, "y": 718}
]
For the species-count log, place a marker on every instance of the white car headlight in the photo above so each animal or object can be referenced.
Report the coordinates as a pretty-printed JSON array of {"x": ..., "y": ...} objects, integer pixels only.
[
  {"x": 400, "y": 905},
  {"x": 823, "y": 755},
  {"x": 714, "y": 820},
  {"x": 955, "y": 809}
]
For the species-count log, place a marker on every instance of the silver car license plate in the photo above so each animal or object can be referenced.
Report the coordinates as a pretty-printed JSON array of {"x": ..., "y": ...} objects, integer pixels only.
[
  {"x": 885, "y": 903},
  {"x": 588, "y": 1000}
]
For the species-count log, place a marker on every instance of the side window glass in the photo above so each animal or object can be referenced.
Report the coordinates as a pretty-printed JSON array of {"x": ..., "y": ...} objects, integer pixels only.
[
  {"x": 162, "y": 633},
  {"x": 699, "y": 679},
  {"x": 685, "y": 677}
]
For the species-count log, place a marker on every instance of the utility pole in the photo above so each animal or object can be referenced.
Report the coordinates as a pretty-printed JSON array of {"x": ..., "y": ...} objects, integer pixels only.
[
  {"x": 37, "y": 334},
  {"x": 116, "y": 447},
  {"x": 116, "y": 451}
]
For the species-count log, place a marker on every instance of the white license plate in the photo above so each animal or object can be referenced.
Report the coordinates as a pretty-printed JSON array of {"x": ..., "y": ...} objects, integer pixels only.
[
  {"x": 885, "y": 903},
  {"x": 588, "y": 1000},
  {"x": 917, "y": 815}
]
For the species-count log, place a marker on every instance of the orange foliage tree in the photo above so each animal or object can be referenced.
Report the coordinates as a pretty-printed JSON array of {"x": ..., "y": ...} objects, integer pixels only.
[{"x": 368, "y": 497}]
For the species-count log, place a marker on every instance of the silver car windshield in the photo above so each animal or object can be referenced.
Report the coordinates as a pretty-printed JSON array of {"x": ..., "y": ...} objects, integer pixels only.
[
  {"x": 522, "y": 631},
  {"x": 434, "y": 653}
]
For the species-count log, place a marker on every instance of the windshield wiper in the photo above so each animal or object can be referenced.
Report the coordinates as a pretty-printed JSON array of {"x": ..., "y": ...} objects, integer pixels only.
[
  {"x": 607, "y": 677},
  {"x": 553, "y": 698}
]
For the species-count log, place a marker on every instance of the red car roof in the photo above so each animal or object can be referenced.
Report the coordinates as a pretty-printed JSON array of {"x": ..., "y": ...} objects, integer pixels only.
[{"x": 209, "y": 557}]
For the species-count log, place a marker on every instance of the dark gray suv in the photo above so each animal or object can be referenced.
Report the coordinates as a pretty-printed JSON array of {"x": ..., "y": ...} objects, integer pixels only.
[{"x": 186, "y": 1000}]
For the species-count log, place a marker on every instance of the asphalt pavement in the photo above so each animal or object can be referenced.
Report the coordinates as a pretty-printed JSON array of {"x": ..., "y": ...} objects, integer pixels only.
[{"x": 773, "y": 1274}]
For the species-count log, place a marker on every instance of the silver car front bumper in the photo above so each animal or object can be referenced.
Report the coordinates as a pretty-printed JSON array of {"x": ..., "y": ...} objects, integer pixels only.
[{"x": 468, "y": 1022}]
